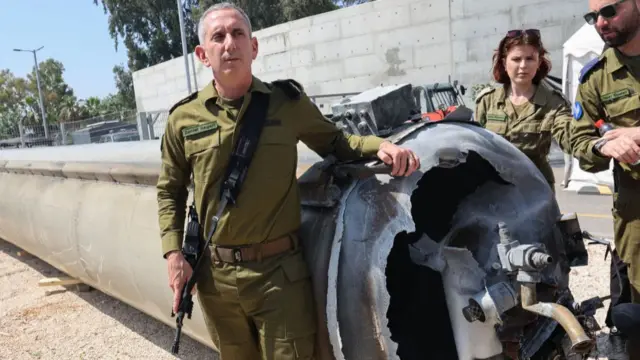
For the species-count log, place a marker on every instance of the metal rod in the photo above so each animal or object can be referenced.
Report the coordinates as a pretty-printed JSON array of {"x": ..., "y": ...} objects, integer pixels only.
[
  {"x": 195, "y": 74},
  {"x": 44, "y": 116},
  {"x": 580, "y": 342},
  {"x": 184, "y": 46},
  {"x": 42, "y": 112}
]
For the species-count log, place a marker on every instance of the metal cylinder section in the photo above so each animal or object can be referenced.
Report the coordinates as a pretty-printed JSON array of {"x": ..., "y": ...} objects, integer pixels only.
[{"x": 104, "y": 233}]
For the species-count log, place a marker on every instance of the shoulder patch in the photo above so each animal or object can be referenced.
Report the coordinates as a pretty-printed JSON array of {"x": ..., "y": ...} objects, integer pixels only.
[
  {"x": 183, "y": 101},
  {"x": 291, "y": 88},
  {"x": 485, "y": 91},
  {"x": 588, "y": 67},
  {"x": 577, "y": 110}
]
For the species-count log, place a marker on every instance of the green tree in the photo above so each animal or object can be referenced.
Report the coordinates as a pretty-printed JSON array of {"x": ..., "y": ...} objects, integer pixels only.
[
  {"x": 54, "y": 89},
  {"x": 125, "y": 97},
  {"x": 150, "y": 29},
  {"x": 13, "y": 109}
]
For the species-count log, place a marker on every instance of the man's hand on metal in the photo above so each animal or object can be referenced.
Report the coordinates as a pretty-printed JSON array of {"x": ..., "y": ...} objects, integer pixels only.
[
  {"x": 404, "y": 161},
  {"x": 179, "y": 273},
  {"x": 622, "y": 148}
]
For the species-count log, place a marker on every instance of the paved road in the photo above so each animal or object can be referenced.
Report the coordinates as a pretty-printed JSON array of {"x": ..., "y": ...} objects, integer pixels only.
[{"x": 594, "y": 211}]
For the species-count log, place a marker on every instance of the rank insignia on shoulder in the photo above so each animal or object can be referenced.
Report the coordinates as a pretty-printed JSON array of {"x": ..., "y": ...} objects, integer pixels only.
[
  {"x": 587, "y": 68},
  {"x": 577, "y": 110},
  {"x": 290, "y": 87},
  {"x": 483, "y": 92},
  {"x": 183, "y": 101}
]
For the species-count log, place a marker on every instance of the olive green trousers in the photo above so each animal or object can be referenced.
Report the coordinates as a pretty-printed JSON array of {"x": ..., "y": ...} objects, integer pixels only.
[
  {"x": 626, "y": 229},
  {"x": 262, "y": 310}
]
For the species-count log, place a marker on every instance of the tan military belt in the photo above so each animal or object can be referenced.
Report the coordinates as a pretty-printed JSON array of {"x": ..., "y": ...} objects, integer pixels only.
[{"x": 255, "y": 252}]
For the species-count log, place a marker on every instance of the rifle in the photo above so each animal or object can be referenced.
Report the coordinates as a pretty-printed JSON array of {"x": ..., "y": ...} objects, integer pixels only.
[
  {"x": 234, "y": 177},
  {"x": 190, "y": 248}
]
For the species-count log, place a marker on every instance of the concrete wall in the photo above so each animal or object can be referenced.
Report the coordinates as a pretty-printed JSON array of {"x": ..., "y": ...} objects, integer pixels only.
[{"x": 380, "y": 43}]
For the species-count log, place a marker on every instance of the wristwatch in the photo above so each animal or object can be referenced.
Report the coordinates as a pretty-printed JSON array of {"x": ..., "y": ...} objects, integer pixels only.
[{"x": 598, "y": 145}]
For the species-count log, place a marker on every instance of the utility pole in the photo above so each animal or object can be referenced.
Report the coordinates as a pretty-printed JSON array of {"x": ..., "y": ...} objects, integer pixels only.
[
  {"x": 184, "y": 46},
  {"x": 44, "y": 116}
]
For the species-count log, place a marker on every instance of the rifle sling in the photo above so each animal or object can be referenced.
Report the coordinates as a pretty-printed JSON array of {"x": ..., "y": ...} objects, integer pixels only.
[{"x": 250, "y": 131}]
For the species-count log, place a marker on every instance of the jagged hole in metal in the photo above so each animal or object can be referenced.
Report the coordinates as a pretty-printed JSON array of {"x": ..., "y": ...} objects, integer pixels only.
[{"x": 416, "y": 292}]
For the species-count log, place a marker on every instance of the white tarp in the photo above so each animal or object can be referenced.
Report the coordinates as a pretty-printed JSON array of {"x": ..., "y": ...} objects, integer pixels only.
[{"x": 584, "y": 45}]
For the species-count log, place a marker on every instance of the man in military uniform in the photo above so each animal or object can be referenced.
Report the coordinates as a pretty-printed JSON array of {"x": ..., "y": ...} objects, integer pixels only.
[
  {"x": 255, "y": 288},
  {"x": 608, "y": 90}
]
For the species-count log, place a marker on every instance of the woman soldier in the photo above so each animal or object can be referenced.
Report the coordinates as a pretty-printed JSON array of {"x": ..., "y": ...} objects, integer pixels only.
[{"x": 525, "y": 110}]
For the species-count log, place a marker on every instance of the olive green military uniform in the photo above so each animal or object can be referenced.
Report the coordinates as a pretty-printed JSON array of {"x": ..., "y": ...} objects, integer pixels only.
[
  {"x": 531, "y": 126},
  {"x": 609, "y": 89},
  {"x": 266, "y": 302}
]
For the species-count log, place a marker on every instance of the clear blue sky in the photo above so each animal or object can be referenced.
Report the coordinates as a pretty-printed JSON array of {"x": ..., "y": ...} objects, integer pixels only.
[{"x": 74, "y": 32}]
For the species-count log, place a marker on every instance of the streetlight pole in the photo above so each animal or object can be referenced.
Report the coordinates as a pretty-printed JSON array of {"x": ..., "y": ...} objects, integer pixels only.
[
  {"x": 184, "y": 46},
  {"x": 44, "y": 116}
]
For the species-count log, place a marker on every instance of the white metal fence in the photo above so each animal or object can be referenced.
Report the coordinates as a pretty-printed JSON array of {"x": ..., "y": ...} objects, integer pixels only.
[
  {"x": 105, "y": 128},
  {"x": 116, "y": 127}
]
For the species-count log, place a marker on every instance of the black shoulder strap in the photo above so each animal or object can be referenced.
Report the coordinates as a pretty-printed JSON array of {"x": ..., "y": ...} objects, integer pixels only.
[
  {"x": 250, "y": 130},
  {"x": 290, "y": 87}
]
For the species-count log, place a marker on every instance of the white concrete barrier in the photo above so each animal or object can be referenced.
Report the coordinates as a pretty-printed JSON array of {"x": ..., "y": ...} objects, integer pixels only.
[{"x": 584, "y": 182}]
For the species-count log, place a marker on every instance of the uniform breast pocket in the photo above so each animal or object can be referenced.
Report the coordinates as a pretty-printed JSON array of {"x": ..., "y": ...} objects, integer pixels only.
[
  {"x": 625, "y": 111},
  {"x": 498, "y": 127},
  {"x": 275, "y": 159},
  {"x": 202, "y": 152}
]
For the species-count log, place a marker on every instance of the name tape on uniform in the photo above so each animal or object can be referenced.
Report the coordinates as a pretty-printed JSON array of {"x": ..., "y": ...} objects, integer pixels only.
[
  {"x": 199, "y": 129},
  {"x": 497, "y": 117}
]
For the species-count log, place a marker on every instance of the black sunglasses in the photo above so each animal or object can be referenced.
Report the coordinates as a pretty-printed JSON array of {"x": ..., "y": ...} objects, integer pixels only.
[
  {"x": 530, "y": 32},
  {"x": 606, "y": 12}
]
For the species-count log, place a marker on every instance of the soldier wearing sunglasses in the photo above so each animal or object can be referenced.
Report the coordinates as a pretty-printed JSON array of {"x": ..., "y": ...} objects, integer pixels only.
[
  {"x": 609, "y": 89},
  {"x": 525, "y": 110}
]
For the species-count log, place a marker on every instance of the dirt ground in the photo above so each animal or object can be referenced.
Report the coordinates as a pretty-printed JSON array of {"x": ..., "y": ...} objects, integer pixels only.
[{"x": 63, "y": 323}]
